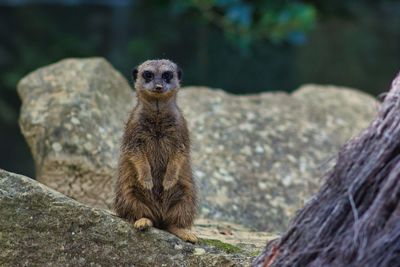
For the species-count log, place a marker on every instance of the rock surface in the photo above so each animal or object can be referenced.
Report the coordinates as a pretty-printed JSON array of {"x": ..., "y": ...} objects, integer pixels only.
[
  {"x": 72, "y": 117},
  {"x": 257, "y": 158},
  {"x": 41, "y": 227},
  {"x": 233, "y": 234}
]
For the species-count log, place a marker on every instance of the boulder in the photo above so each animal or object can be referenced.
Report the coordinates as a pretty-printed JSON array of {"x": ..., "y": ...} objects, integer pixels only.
[
  {"x": 42, "y": 227},
  {"x": 257, "y": 158},
  {"x": 72, "y": 117}
]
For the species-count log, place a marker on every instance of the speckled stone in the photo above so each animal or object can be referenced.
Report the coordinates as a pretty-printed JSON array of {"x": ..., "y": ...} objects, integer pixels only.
[
  {"x": 257, "y": 158},
  {"x": 72, "y": 117},
  {"x": 42, "y": 227}
]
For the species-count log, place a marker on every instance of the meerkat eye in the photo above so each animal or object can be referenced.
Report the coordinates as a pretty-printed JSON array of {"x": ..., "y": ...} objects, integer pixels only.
[
  {"x": 148, "y": 75},
  {"x": 167, "y": 76}
]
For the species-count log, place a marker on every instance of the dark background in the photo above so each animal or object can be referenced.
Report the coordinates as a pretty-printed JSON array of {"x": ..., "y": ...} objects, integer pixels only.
[{"x": 240, "y": 46}]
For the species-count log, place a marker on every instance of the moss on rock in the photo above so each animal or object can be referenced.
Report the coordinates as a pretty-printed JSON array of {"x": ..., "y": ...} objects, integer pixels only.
[{"x": 228, "y": 248}]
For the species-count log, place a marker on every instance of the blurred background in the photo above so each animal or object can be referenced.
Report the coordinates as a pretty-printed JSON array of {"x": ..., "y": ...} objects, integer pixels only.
[{"x": 240, "y": 46}]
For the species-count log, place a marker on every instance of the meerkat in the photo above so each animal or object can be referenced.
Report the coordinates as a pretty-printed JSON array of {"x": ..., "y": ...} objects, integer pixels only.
[{"x": 155, "y": 186}]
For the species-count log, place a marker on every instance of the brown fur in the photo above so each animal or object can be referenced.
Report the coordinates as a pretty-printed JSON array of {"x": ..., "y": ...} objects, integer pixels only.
[{"x": 155, "y": 186}]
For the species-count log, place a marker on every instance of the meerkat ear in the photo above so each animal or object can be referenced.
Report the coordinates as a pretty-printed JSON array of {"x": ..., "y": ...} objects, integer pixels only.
[
  {"x": 179, "y": 71},
  {"x": 134, "y": 74}
]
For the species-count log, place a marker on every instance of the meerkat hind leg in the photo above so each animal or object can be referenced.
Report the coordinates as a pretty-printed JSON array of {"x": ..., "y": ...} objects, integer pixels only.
[
  {"x": 143, "y": 224},
  {"x": 183, "y": 233}
]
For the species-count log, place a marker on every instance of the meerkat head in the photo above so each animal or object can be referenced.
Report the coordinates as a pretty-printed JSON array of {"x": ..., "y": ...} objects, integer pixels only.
[{"x": 157, "y": 78}]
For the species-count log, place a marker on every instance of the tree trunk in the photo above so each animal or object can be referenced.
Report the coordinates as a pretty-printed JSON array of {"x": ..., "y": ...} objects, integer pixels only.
[{"x": 354, "y": 220}]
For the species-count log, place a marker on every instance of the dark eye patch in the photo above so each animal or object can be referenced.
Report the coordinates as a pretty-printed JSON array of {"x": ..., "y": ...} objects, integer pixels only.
[
  {"x": 167, "y": 76},
  {"x": 148, "y": 75}
]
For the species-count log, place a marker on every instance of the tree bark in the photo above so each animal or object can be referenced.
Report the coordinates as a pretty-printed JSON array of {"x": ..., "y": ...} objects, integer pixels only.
[{"x": 354, "y": 220}]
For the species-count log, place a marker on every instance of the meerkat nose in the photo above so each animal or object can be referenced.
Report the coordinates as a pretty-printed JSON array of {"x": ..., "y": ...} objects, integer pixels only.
[{"x": 159, "y": 87}]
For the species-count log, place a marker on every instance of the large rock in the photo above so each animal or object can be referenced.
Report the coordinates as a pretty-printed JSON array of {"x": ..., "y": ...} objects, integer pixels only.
[
  {"x": 72, "y": 117},
  {"x": 41, "y": 227},
  {"x": 257, "y": 158}
]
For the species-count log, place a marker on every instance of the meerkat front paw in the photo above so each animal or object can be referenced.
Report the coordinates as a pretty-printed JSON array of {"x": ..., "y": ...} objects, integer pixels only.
[
  {"x": 146, "y": 181},
  {"x": 171, "y": 177},
  {"x": 143, "y": 224},
  {"x": 168, "y": 183}
]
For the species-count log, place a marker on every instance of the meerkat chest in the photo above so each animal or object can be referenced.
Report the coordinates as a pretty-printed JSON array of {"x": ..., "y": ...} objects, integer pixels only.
[
  {"x": 160, "y": 139},
  {"x": 160, "y": 133}
]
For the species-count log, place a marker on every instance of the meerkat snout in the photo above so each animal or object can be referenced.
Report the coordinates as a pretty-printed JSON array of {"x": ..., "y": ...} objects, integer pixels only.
[{"x": 159, "y": 87}]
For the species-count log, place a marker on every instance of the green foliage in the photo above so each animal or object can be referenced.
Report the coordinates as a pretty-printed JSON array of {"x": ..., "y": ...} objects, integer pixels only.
[
  {"x": 245, "y": 22},
  {"x": 290, "y": 22}
]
